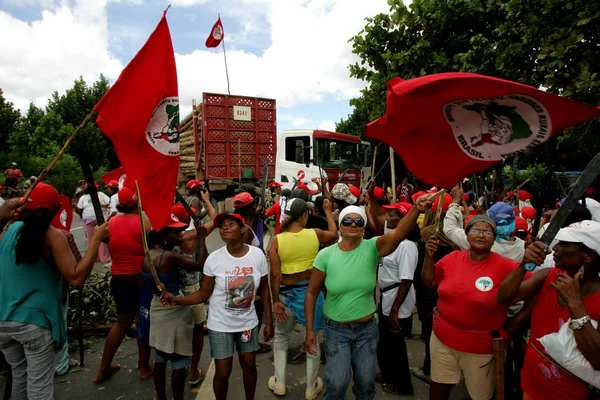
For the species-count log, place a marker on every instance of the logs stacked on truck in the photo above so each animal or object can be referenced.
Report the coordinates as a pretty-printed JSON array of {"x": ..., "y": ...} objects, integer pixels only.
[{"x": 187, "y": 164}]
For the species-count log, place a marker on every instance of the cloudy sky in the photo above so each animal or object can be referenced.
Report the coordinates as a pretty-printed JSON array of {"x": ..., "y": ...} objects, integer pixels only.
[{"x": 295, "y": 51}]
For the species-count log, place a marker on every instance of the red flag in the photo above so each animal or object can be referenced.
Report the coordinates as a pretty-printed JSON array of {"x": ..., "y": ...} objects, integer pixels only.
[
  {"x": 448, "y": 126},
  {"x": 64, "y": 217},
  {"x": 117, "y": 174},
  {"x": 216, "y": 34},
  {"x": 140, "y": 115}
]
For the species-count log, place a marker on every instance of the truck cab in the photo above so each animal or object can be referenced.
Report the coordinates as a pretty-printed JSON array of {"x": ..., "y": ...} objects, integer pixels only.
[{"x": 303, "y": 154}]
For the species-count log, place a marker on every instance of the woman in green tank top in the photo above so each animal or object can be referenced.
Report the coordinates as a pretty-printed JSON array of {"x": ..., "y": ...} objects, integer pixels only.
[
  {"x": 34, "y": 256},
  {"x": 348, "y": 272}
]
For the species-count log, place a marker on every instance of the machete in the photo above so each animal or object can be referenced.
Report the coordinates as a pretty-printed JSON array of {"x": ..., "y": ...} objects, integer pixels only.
[
  {"x": 583, "y": 182},
  {"x": 187, "y": 207}
]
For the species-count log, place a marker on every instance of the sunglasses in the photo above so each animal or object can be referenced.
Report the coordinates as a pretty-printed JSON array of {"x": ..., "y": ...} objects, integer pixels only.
[{"x": 358, "y": 221}]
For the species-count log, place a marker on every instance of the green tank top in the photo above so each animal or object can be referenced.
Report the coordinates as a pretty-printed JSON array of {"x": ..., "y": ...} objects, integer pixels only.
[{"x": 30, "y": 293}]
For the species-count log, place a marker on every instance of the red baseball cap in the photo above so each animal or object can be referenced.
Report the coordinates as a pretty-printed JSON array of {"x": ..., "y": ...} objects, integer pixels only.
[
  {"x": 112, "y": 184},
  {"x": 175, "y": 223},
  {"x": 354, "y": 190},
  {"x": 242, "y": 199},
  {"x": 193, "y": 184},
  {"x": 521, "y": 225},
  {"x": 220, "y": 217},
  {"x": 273, "y": 185},
  {"x": 377, "y": 191},
  {"x": 417, "y": 195},
  {"x": 180, "y": 212},
  {"x": 528, "y": 212},
  {"x": 43, "y": 196},
  {"x": 127, "y": 196},
  {"x": 468, "y": 218},
  {"x": 446, "y": 202},
  {"x": 401, "y": 206},
  {"x": 524, "y": 195}
]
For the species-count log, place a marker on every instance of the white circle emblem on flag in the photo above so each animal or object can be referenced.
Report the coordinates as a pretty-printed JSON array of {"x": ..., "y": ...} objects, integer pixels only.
[
  {"x": 218, "y": 32},
  {"x": 63, "y": 218},
  {"x": 163, "y": 129},
  {"x": 495, "y": 128},
  {"x": 484, "y": 283}
]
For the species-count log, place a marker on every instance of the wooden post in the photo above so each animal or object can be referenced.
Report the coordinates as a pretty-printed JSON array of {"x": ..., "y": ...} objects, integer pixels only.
[
  {"x": 499, "y": 358},
  {"x": 393, "y": 167},
  {"x": 373, "y": 165}
]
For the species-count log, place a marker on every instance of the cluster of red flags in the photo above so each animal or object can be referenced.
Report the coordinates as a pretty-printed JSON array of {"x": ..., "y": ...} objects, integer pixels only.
[{"x": 448, "y": 126}]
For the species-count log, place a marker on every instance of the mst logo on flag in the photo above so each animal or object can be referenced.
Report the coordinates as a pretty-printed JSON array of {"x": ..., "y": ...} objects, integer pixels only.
[
  {"x": 163, "y": 129},
  {"x": 499, "y": 127}
]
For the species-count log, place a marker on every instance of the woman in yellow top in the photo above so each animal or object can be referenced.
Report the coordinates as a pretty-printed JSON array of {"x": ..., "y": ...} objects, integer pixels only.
[{"x": 292, "y": 254}]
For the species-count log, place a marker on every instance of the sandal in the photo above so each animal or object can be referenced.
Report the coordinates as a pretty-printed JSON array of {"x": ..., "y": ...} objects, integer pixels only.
[{"x": 197, "y": 381}]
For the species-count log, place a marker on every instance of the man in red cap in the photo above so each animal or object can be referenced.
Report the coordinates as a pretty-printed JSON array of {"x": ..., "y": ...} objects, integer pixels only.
[
  {"x": 113, "y": 190},
  {"x": 196, "y": 190},
  {"x": 12, "y": 177}
]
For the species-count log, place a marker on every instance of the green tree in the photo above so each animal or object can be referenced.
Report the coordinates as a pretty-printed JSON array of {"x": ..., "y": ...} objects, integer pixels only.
[
  {"x": 9, "y": 122},
  {"x": 20, "y": 140},
  {"x": 550, "y": 44}
]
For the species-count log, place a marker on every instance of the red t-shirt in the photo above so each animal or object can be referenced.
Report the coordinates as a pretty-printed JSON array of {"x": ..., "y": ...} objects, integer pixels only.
[
  {"x": 467, "y": 311},
  {"x": 126, "y": 245},
  {"x": 13, "y": 173},
  {"x": 541, "y": 379},
  {"x": 275, "y": 210}
]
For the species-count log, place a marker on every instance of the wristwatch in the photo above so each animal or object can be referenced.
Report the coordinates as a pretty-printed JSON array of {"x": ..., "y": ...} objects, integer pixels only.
[{"x": 578, "y": 323}]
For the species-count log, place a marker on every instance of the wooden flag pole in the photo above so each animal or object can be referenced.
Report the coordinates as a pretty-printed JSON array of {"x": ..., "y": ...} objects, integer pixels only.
[
  {"x": 225, "y": 58},
  {"x": 157, "y": 282},
  {"x": 49, "y": 166},
  {"x": 393, "y": 167},
  {"x": 373, "y": 165}
]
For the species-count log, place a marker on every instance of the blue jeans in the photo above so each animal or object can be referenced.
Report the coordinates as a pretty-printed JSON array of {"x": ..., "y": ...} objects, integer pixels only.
[{"x": 350, "y": 349}]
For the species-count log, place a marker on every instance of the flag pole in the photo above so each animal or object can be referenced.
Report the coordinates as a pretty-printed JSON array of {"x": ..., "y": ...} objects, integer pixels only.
[{"x": 225, "y": 58}]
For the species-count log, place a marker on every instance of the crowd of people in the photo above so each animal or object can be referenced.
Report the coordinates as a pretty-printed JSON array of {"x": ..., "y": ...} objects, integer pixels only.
[{"x": 349, "y": 265}]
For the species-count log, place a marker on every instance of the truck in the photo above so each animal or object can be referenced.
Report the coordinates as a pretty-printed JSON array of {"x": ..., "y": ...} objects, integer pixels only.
[
  {"x": 228, "y": 139},
  {"x": 304, "y": 154}
]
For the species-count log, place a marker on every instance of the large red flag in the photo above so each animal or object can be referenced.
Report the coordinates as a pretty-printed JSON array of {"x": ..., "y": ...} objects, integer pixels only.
[
  {"x": 140, "y": 115},
  {"x": 64, "y": 217},
  {"x": 117, "y": 174},
  {"x": 448, "y": 126},
  {"x": 216, "y": 34}
]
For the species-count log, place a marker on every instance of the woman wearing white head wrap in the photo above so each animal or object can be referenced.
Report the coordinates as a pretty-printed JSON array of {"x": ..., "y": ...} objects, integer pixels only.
[{"x": 348, "y": 272}]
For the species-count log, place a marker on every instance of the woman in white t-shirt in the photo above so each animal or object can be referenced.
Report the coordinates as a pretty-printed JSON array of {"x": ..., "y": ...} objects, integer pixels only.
[
  {"x": 85, "y": 208},
  {"x": 233, "y": 276}
]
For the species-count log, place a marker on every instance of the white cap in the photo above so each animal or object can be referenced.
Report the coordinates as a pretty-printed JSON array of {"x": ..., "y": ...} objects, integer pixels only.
[
  {"x": 594, "y": 207},
  {"x": 352, "y": 210},
  {"x": 586, "y": 232}
]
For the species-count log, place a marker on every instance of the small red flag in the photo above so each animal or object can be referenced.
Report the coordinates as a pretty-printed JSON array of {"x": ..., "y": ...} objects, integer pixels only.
[
  {"x": 448, "y": 126},
  {"x": 64, "y": 217},
  {"x": 216, "y": 34},
  {"x": 140, "y": 115},
  {"x": 117, "y": 174}
]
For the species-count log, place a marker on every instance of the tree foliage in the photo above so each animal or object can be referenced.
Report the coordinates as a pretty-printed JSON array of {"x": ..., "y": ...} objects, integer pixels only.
[
  {"x": 550, "y": 44},
  {"x": 35, "y": 138}
]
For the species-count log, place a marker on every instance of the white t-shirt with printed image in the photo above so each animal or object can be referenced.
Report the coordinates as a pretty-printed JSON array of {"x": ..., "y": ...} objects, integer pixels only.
[{"x": 231, "y": 307}]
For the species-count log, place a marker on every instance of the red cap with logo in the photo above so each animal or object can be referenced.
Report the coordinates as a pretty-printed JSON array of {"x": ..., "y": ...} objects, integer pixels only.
[
  {"x": 354, "y": 190},
  {"x": 401, "y": 206},
  {"x": 180, "y": 212},
  {"x": 220, "y": 217},
  {"x": 43, "y": 196},
  {"x": 243, "y": 199},
  {"x": 127, "y": 196},
  {"x": 378, "y": 192},
  {"x": 273, "y": 185},
  {"x": 193, "y": 184},
  {"x": 112, "y": 184},
  {"x": 521, "y": 225},
  {"x": 175, "y": 223}
]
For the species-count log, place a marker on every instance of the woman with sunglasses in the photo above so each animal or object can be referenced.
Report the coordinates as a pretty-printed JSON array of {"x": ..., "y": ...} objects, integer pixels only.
[
  {"x": 467, "y": 313},
  {"x": 348, "y": 271}
]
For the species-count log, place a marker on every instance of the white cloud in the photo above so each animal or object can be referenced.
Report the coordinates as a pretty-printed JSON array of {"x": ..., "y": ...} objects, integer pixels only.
[
  {"x": 298, "y": 122},
  {"x": 327, "y": 125},
  {"x": 306, "y": 60},
  {"x": 50, "y": 53}
]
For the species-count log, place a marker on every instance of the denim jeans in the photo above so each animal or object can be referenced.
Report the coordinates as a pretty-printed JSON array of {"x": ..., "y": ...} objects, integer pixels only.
[
  {"x": 29, "y": 349},
  {"x": 350, "y": 348}
]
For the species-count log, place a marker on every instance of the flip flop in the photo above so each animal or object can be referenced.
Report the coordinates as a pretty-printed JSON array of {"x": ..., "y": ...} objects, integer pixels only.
[
  {"x": 111, "y": 371},
  {"x": 197, "y": 381}
]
